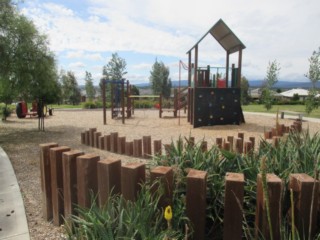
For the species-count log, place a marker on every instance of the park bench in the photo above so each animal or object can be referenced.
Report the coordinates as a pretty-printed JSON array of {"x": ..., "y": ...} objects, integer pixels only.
[{"x": 299, "y": 114}]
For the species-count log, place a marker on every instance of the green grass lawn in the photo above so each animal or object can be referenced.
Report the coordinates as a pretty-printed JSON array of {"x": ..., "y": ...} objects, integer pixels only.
[
  {"x": 295, "y": 108},
  {"x": 246, "y": 108}
]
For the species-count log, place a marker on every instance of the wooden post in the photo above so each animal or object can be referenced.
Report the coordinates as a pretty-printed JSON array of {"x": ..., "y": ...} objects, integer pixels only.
[
  {"x": 274, "y": 188},
  {"x": 101, "y": 142},
  {"x": 160, "y": 106},
  {"x": 129, "y": 148},
  {"x": 226, "y": 146},
  {"x": 167, "y": 149},
  {"x": 96, "y": 136},
  {"x": 57, "y": 183},
  {"x": 230, "y": 140},
  {"x": 241, "y": 135},
  {"x": 305, "y": 209},
  {"x": 122, "y": 101},
  {"x": 239, "y": 145},
  {"x": 191, "y": 141},
  {"x": 157, "y": 147},
  {"x": 248, "y": 148},
  {"x": 275, "y": 141},
  {"x": 69, "y": 167},
  {"x": 104, "y": 105},
  {"x": 91, "y": 136},
  {"x": 109, "y": 179},
  {"x": 165, "y": 175},
  {"x": 227, "y": 68},
  {"x": 233, "y": 201},
  {"x": 196, "y": 201},
  {"x": 204, "y": 146},
  {"x": 253, "y": 141},
  {"x": 83, "y": 138},
  {"x": 121, "y": 145},
  {"x": 87, "y": 178},
  {"x": 45, "y": 172},
  {"x": 114, "y": 142},
  {"x": 132, "y": 176},
  {"x": 137, "y": 147},
  {"x": 219, "y": 142},
  {"x": 87, "y": 138},
  {"x": 146, "y": 146},
  {"x": 107, "y": 142}
]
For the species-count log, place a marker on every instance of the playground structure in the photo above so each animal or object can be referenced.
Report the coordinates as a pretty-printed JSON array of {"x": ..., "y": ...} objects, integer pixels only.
[
  {"x": 213, "y": 100},
  {"x": 39, "y": 109}
]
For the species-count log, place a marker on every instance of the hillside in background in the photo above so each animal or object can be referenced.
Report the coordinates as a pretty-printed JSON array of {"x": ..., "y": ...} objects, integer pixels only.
[{"x": 252, "y": 84}]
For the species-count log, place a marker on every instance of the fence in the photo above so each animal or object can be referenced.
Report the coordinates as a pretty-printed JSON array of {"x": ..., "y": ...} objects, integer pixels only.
[
  {"x": 68, "y": 176},
  {"x": 143, "y": 147}
]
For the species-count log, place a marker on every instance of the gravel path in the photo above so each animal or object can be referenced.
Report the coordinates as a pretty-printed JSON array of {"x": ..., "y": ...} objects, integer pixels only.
[{"x": 20, "y": 139}]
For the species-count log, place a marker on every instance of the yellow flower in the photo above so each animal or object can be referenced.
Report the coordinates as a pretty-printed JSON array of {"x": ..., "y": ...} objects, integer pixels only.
[{"x": 168, "y": 213}]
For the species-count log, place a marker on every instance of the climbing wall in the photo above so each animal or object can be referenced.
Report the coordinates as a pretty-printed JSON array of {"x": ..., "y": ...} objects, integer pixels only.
[{"x": 217, "y": 106}]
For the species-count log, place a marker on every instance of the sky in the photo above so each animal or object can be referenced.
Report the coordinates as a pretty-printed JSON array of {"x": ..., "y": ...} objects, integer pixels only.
[{"x": 83, "y": 34}]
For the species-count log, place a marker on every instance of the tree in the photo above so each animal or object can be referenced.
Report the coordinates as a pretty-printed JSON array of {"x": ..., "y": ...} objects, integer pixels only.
[
  {"x": 314, "y": 76},
  {"x": 244, "y": 91},
  {"x": 271, "y": 79},
  {"x": 116, "y": 68},
  {"x": 90, "y": 90},
  {"x": 27, "y": 66},
  {"x": 70, "y": 89},
  {"x": 135, "y": 90},
  {"x": 159, "y": 79}
]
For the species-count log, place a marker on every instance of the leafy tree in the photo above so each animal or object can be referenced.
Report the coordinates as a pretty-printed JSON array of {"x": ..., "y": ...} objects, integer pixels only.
[
  {"x": 314, "y": 75},
  {"x": 271, "y": 79},
  {"x": 27, "y": 67},
  {"x": 159, "y": 79},
  {"x": 135, "y": 90},
  {"x": 90, "y": 90},
  {"x": 244, "y": 91},
  {"x": 70, "y": 88},
  {"x": 116, "y": 68}
]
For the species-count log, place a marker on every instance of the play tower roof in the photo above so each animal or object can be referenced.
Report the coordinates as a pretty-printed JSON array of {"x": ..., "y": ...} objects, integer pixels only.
[{"x": 224, "y": 36}]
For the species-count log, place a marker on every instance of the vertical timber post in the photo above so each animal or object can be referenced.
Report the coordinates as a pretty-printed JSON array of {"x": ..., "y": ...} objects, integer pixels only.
[
  {"x": 57, "y": 183},
  {"x": 233, "y": 201},
  {"x": 165, "y": 175},
  {"x": 132, "y": 175},
  {"x": 104, "y": 105},
  {"x": 87, "y": 178},
  {"x": 274, "y": 188},
  {"x": 196, "y": 201},
  {"x": 69, "y": 166},
  {"x": 45, "y": 172},
  {"x": 109, "y": 179},
  {"x": 305, "y": 209}
]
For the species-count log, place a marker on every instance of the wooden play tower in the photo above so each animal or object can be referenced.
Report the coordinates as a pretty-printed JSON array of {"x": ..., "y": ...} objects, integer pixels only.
[{"x": 213, "y": 99}]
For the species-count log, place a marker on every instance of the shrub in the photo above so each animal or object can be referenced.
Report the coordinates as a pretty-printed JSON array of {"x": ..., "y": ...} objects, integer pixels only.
[
  {"x": 92, "y": 105},
  {"x": 5, "y": 111}
]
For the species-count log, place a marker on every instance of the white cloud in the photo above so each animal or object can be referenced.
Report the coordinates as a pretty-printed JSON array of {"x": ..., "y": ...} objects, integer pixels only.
[
  {"x": 283, "y": 30},
  {"x": 76, "y": 65}
]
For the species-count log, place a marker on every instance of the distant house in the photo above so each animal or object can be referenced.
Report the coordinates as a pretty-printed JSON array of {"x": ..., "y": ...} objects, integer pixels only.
[
  {"x": 302, "y": 93},
  {"x": 255, "y": 94}
]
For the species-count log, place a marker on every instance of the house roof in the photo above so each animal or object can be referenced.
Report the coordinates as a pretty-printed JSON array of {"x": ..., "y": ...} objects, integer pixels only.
[
  {"x": 224, "y": 36},
  {"x": 301, "y": 92}
]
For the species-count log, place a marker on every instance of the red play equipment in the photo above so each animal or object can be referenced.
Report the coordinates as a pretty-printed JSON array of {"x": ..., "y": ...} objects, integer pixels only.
[{"x": 22, "y": 109}]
